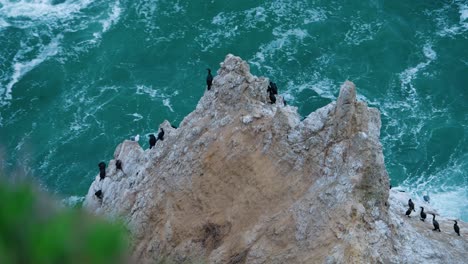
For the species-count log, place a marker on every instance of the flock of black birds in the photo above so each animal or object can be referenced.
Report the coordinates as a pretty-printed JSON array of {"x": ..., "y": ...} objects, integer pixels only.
[
  {"x": 118, "y": 163},
  {"x": 153, "y": 139},
  {"x": 272, "y": 91},
  {"x": 272, "y": 88},
  {"x": 423, "y": 216}
]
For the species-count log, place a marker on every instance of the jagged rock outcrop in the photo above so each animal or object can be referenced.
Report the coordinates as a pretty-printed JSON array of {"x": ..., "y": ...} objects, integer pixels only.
[{"x": 245, "y": 181}]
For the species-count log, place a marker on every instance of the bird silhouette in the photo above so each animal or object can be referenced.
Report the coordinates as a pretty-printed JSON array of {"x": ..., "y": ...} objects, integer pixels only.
[{"x": 209, "y": 79}]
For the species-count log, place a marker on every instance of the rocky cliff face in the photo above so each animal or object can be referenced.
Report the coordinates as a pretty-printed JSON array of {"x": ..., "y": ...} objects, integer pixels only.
[{"x": 245, "y": 181}]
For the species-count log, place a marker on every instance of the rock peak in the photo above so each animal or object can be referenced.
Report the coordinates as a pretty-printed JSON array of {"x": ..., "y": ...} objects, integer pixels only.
[
  {"x": 234, "y": 64},
  {"x": 245, "y": 181},
  {"x": 347, "y": 94},
  {"x": 235, "y": 86}
]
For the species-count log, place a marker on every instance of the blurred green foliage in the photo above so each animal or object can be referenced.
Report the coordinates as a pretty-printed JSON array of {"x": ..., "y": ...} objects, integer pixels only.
[{"x": 33, "y": 229}]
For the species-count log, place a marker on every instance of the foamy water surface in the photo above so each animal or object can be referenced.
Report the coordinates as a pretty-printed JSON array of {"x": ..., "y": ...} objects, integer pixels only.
[{"x": 79, "y": 76}]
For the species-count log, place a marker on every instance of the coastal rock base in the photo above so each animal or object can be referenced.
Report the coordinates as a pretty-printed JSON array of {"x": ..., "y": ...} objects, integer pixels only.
[{"x": 246, "y": 181}]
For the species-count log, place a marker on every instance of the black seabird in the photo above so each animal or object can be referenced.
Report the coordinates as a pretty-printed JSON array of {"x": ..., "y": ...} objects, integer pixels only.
[
  {"x": 102, "y": 170},
  {"x": 152, "y": 140},
  {"x": 422, "y": 214},
  {"x": 98, "y": 194},
  {"x": 272, "y": 98},
  {"x": 411, "y": 204},
  {"x": 272, "y": 88},
  {"x": 435, "y": 223},
  {"x": 161, "y": 134},
  {"x": 118, "y": 165},
  {"x": 456, "y": 228},
  {"x": 209, "y": 79},
  {"x": 408, "y": 212}
]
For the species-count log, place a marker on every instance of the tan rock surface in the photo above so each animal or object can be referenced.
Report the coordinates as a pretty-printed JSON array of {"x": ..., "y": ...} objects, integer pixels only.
[{"x": 245, "y": 181}]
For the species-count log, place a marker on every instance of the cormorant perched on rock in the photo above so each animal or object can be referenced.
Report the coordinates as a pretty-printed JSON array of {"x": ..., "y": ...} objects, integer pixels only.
[
  {"x": 118, "y": 165},
  {"x": 456, "y": 228},
  {"x": 102, "y": 170},
  {"x": 411, "y": 205},
  {"x": 272, "y": 88},
  {"x": 152, "y": 140},
  {"x": 272, "y": 98},
  {"x": 422, "y": 214},
  {"x": 99, "y": 194},
  {"x": 161, "y": 134},
  {"x": 408, "y": 212},
  {"x": 209, "y": 79},
  {"x": 435, "y": 223}
]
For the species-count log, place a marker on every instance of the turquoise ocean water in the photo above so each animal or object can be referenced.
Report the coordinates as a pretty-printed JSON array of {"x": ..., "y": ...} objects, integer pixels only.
[{"x": 79, "y": 76}]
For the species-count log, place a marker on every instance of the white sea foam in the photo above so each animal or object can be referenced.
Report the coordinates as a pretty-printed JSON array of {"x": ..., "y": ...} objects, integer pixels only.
[
  {"x": 446, "y": 27},
  {"x": 20, "y": 68},
  {"x": 446, "y": 198},
  {"x": 285, "y": 42},
  {"x": 154, "y": 93},
  {"x": 408, "y": 75},
  {"x": 146, "y": 9},
  {"x": 298, "y": 33},
  {"x": 143, "y": 89},
  {"x": 41, "y": 18},
  {"x": 463, "y": 12},
  {"x": 84, "y": 108},
  {"x": 325, "y": 59},
  {"x": 323, "y": 87},
  {"x": 3, "y": 24},
  {"x": 41, "y": 9},
  {"x": 228, "y": 25},
  {"x": 167, "y": 103},
  {"x": 78, "y": 123},
  {"x": 73, "y": 200},
  {"x": 361, "y": 31},
  {"x": 137, "y": 117},
  {"x": 429, "y": 52},
  {"x": 25, "y": 138},
  {"x": 113, "y": 18},
  {"x": 52, "y": 149},
  {"x": 285, "y": 8},
  {"x": 146, "y": 13},
  {"x": 451, "y": 202},
  {"x": 314, "y": 15},
  {"x": 255, "y": 15},
  {"x": 225, "y": 29},
  {"x": 445, "y": 184},
  {"x": 219, "y": 19}
]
